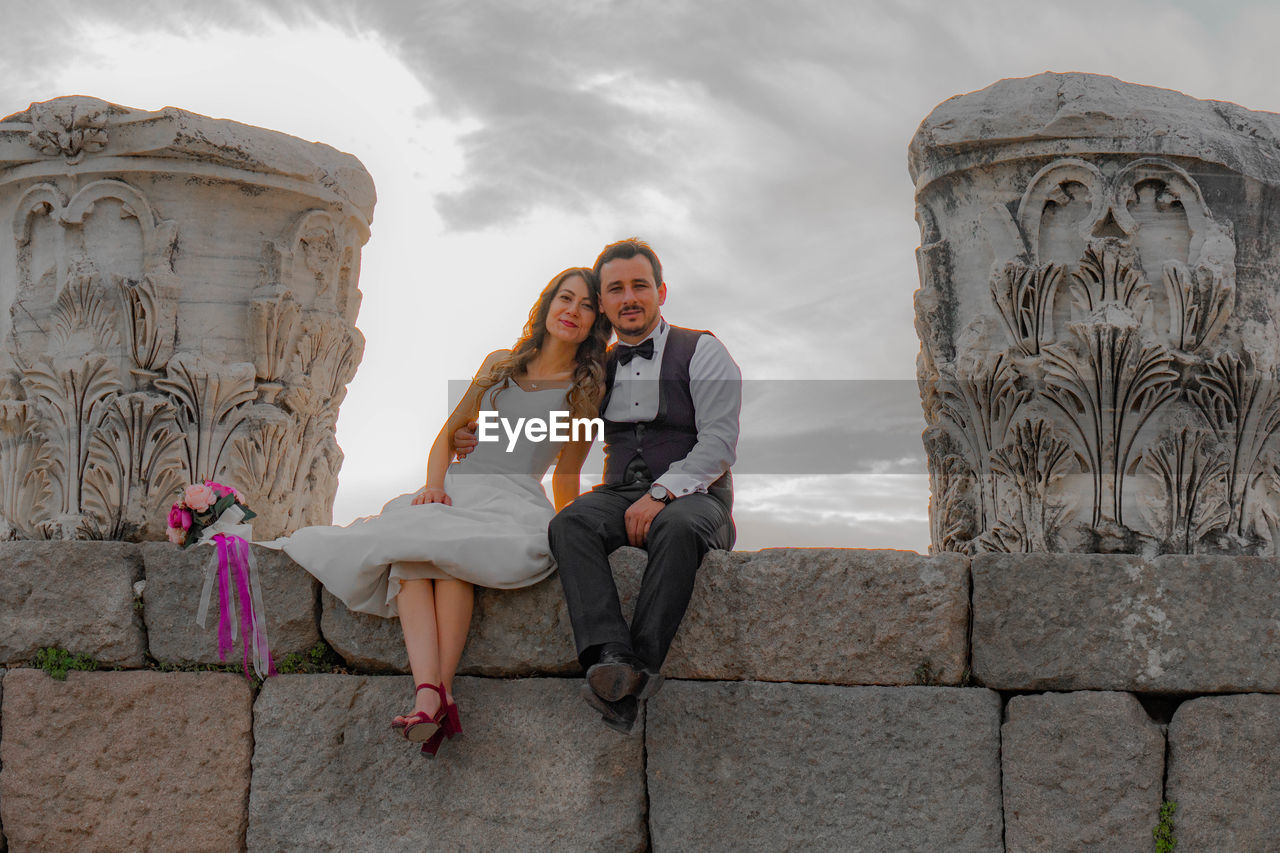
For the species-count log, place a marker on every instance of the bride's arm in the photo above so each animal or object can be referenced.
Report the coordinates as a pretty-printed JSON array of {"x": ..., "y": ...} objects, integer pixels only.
[
  {"x": 566, "y": 480},
  {"x": 442, "y": 448}
]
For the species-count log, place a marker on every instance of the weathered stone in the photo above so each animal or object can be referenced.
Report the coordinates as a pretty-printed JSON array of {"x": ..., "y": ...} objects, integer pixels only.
[
  {"x": 171, "y": 598},
  {"x": 1090, "y": 114},
  {"x": 188, "y": 292},
  {"x": 1097, "y": 315},
  {"x": 125, "y": 761},
  {"x": 886, "y": 617},
  {"x": 4, "y": 841},
  {"x": 750, "y": 766},
  {"x": 1082, "y": 771},
  {"x": 835, "y": 616},
  {"x": 1222, "y": 773},
  {"x": 536, "y": 769},
  {"x": 514, "y": 632},
  {"x": 367, "y": 643},
  {"x": 74, "y": 595},
  {"x": 1171, "y": 624}
]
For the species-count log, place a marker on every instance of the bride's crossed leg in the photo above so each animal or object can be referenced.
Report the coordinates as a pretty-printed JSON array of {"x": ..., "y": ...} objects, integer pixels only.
[{"x": 435, "y": 615}]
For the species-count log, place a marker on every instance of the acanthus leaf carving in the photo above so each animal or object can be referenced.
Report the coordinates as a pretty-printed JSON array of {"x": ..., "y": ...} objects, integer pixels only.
[
  {"x": 1109, "y": 273},
  {"x": 1241, "y": 405},
  {"x": 1023, "y": 295},
  {"x": 24, "y": 463},
  {"x": 981, "y": 404},
  {"x": 273, "y": 330},
  {"x": 1107, "y": 383},
  {"x": 1192, "y": 502},
  {"x": 953, "y": 515},
  {"x": 1200, "y": 303},
  {"x": 72, "y": 397},
  {"x": 150, "y": 311},
  {"x": 210, "y": 400},
  {"x": 138, "y": 465},
  {"x": 1031, "y": 464}
]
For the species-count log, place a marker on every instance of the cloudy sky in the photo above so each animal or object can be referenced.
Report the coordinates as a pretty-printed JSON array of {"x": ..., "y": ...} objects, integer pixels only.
[{"x": 759, "y": 146}]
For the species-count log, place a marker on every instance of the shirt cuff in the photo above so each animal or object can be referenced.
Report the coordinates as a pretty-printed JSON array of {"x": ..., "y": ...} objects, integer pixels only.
[{"x": 680, "y": 485}]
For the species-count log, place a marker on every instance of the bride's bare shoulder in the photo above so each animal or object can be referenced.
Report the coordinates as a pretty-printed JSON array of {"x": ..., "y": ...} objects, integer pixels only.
[{"x": 491, "y": 359}]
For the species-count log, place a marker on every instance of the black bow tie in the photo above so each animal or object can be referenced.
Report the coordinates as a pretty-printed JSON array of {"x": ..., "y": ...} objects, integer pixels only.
[{"x": 626, "y": 353}]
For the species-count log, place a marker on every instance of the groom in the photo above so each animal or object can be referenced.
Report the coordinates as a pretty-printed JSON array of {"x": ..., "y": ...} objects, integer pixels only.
[{"x": 671, "y": 404}]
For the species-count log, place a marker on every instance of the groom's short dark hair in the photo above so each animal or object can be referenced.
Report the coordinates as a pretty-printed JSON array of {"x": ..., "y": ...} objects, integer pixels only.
[{"x": 629, "y": 248}]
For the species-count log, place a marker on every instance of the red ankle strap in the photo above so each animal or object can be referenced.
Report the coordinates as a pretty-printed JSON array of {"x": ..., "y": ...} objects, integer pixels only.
[{"x": 439, "y": 688}]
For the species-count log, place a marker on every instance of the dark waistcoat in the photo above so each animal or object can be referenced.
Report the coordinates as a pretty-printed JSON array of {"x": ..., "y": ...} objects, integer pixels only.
[{"x": 673, "y": 432}]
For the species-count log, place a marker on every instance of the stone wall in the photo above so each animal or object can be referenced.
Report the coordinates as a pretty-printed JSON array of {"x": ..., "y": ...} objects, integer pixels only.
[{"x": 872, "y": 700}]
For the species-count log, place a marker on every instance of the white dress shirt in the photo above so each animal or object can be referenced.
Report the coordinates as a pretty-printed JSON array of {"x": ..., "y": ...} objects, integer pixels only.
[{"x": 715, "y": 384}]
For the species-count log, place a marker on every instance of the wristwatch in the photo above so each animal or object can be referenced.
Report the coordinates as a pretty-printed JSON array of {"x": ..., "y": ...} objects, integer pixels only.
[{"x": 660, "y": 494}]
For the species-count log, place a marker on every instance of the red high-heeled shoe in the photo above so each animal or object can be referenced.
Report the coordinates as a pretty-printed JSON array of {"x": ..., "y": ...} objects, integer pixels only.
[
  {"x": 453, "y": 722},
  {"x": 432, "y": 746},
  {"x": 421, "y": 727},
  {"x": 450, "y": 728}
]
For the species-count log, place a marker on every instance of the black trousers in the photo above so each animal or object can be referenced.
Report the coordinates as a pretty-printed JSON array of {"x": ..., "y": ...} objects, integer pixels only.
[{"x": 583, "y": 535}]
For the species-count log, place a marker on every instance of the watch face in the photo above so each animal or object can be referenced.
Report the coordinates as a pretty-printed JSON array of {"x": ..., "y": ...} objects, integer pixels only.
[{"x": 658, "y": 493}]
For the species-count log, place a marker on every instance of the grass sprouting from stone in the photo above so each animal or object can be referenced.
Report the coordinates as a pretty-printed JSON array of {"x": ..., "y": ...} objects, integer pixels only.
[
  {"x": 1163, "y": 832},
  {"x": 58, "y": 662}
]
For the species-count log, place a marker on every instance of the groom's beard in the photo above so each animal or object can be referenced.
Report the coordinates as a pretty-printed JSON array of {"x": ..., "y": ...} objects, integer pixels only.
[{"x": 635, "y": 323}]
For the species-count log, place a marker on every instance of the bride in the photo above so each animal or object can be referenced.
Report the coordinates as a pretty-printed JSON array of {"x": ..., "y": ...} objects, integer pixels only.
[{"x": 479, "y": 521}]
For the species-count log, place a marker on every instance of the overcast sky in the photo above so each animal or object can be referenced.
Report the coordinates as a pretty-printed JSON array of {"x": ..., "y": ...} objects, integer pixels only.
[{"x": 759, "y": 146}]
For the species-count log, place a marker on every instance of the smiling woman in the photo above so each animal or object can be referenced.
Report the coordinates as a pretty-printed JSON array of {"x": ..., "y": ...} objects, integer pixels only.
[{"x": 480, "y": 521}]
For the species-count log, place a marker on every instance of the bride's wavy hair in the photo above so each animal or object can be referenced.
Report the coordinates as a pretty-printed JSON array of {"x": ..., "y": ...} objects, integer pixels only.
[{"x": 587, "y": 389}]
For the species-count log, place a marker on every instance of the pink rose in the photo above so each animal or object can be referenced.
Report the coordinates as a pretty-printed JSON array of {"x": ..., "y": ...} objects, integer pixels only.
[
  {"x": 176, "y": 536},
  {"x": 221, "y": 490},
  {"x": 199, "y": 498},
  {"x": 175, "y": 516},
  {"x": 186, "y": 520}
]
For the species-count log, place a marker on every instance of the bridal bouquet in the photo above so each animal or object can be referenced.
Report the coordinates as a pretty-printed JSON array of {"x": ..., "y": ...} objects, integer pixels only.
[
  {"x": 202, "y": 508},
  {"x": 210, "y": 513}
]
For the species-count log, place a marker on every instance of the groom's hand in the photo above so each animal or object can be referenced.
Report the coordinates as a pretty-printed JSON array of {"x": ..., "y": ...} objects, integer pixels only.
[
  {"x": 639, "y": 516},
  {"x": 464, "y": 440}
]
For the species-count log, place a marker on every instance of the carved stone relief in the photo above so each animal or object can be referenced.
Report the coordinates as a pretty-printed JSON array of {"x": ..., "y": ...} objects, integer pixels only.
[
  {"x": 106, "y": 408},
  {"x": 1097, "y": 371},
  {"x": 1107, "y": 385}
]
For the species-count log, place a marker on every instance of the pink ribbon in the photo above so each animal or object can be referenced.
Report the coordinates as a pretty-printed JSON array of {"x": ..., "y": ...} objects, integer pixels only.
[
  {"x": 236, "y": 565},
  {"x": 226, "y": 630}
]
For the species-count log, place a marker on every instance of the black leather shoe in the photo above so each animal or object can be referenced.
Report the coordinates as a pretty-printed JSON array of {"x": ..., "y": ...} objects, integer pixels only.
[
  {"x": 615, "y": 676},
  {"x": 619, "y": 715}
]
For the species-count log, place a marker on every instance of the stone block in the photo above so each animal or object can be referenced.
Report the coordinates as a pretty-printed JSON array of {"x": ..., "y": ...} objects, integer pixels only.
[
  {"x": 536, "y": 770},
  {"x": 514, "y": 632},
  {"x": 74, "y": 595},
  {"x": 4, "y": 842},
  {"x": 834, "y": 616},
  {"x": 752, "y": 766},
  {"x": 1171, "y": 624},
  {"x": 1222, "y": 773},
  {"x": 172, "y": 596},
  {"x": 884, "y": 617},
  {"x": 1082, "y": 771},
  {"x": 125, "y": 760}
]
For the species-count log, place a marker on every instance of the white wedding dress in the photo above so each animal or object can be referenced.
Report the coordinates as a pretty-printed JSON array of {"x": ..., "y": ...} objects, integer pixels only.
[{"x": 494, "y": 534}]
